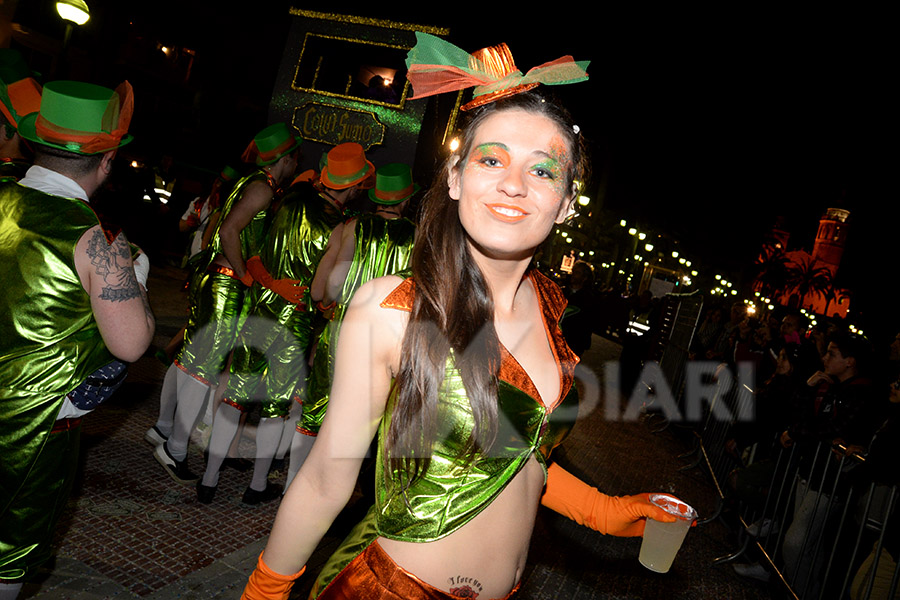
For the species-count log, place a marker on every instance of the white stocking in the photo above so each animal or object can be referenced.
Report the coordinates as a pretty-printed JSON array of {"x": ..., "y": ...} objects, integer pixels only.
[
  {"x": 10, "y": 591},
  {"x": 168, "y": 400},
  {"x": 225, "y": 427},
  {"x": 290, "y": 425},
  {"x": 191, "y": 397},
  {"x": 268, "y": 434}
]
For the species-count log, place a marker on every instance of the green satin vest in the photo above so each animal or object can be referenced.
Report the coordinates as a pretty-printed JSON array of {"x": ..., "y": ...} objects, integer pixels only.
[
  {"x": 294, "y": 244},
  {"x": 49, "y": 340}
]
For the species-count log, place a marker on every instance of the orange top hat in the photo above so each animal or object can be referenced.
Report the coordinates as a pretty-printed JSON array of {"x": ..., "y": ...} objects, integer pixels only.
[
  {"x": 498, "y": 64},
  {"x": 345, "y": 166}
]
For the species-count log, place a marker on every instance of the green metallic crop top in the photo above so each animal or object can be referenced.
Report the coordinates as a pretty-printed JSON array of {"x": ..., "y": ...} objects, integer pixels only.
[
  {"x": 252, "y": 235},
  {"x": 450, "y": 494}
]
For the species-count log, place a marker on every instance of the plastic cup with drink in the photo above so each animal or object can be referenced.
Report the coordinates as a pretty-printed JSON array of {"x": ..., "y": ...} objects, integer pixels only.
[{"x": 662, "y": 540}]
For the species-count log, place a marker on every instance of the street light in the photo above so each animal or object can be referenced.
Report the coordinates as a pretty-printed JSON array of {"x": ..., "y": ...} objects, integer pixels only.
[{"x": 74, "y": 11}]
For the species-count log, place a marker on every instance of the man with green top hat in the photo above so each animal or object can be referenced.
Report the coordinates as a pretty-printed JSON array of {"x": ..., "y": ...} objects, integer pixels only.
[
  {"x": 217, "y": 296},
  {"x": 269, "y": 364},
  {"x": 20, "y": 94},
  {"x": 359, "y": 250},
  {"x": 74, "y": 311}
]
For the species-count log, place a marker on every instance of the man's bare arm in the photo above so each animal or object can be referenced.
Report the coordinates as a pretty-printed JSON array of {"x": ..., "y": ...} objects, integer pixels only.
[
  {"x": 118, "y": 301},
  {"x": 256, "y": 197}
]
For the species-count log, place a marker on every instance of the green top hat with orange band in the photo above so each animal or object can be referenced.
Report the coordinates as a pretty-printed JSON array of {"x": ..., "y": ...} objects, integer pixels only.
[
  {"x": 345, "y": 166},
  {"x": 20, "y": 94},
  {"x": 393, "y": 184},
  {"x": 80, "y": 117},
  {"x": 270, "y": 144}
]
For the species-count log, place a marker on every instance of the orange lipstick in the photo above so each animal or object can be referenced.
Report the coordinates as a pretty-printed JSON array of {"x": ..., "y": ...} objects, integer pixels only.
[{"x": 507, "y": 212}]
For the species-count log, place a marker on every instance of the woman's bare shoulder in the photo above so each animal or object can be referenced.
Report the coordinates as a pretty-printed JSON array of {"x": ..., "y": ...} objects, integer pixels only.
[{"x": 372, "y": 293}]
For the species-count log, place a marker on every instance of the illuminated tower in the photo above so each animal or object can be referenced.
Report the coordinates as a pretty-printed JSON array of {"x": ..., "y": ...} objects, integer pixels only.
[{"x": 831, "y": 238}]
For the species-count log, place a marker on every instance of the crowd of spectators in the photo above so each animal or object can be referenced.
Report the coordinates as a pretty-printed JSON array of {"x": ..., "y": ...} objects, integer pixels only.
[{"x": 814, "y": 385}]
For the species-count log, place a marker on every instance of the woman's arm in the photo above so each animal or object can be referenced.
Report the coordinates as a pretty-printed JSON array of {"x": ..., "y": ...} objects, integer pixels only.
[
  {"x": 623, "y": 516},
  {"x": 367, "y": 356},
  {"x": 257, "y": 196}
]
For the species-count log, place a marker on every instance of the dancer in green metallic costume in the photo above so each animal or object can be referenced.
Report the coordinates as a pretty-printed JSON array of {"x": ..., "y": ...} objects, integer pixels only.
[
  {"x": 451, "y": 493},
  {"x": 268, "y": 367},
  {"x": 370, "y": 246},
  {"x": 217, "y": 297},
  {"x": 73, "y": 307},
  {"x": 474, "y": 302}
]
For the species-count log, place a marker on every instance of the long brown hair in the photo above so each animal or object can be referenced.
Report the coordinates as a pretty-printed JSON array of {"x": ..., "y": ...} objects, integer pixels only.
[{"x": 453, "y": 310}]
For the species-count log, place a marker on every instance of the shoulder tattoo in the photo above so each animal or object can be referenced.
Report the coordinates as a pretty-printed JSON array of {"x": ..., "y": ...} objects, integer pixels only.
[{"x": 112, "y": 262}]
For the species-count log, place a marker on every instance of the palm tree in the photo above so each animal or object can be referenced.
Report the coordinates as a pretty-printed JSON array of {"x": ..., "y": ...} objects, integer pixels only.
[
  {"x": 771, "y": 268},
  {"x": 807, "y": 279}
]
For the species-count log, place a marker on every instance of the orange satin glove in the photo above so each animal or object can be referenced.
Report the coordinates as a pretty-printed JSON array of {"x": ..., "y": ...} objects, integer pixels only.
[
  {"x": 286, "y": 288},
  {"x": 623, "y": 516},
  {"x": 266, "y": 584}
]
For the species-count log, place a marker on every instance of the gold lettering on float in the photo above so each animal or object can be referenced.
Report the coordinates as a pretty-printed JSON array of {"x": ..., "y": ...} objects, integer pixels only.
[{"x": 335, "y": 125}]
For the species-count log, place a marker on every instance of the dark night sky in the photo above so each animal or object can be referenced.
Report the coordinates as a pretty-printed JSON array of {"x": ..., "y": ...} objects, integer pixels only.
[{"x": 705, "y": 123}]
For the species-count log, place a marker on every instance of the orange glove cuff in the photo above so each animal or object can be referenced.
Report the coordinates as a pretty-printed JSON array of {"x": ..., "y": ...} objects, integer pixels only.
[
  {"x": 266, "y": 584},
  {"x": 258, "y": 271},
  {"x": 623, "y": 516}
]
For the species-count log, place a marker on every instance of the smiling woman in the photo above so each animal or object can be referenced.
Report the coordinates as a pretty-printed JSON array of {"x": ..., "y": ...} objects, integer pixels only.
[
  {"x": 525, "y": 182},
  {"x": 462, "y": 372}
]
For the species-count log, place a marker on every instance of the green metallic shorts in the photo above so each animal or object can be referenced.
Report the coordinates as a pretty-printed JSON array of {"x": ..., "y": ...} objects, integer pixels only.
[
  {"x": 269, "y": 364},
  {"x": 217, "y": 313}
]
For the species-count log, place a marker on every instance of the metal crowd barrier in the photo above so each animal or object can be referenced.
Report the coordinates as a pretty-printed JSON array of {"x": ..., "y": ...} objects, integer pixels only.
[
  {"x": 817, "y": 533},
  {"x": 839, "y": 551},
  {"x": 672, "y": 337}
]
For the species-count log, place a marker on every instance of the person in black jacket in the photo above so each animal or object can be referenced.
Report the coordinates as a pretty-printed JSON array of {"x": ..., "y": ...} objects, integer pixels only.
[{"x": 838, "y": 407}]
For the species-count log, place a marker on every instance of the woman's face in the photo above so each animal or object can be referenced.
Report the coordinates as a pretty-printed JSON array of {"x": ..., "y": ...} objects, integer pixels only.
[
  {"x": 783, "y": 365},
  {"x": 894, "y": 393},
  {"x": 513, "y": 185}
]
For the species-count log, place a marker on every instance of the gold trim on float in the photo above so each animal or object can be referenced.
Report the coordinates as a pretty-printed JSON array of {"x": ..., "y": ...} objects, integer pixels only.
[
  {"x": 313, "y": 90},
  {"x": 369, "y": 21}
]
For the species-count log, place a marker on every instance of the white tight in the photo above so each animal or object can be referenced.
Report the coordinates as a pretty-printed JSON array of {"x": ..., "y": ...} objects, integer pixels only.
[
  {"x": 268, "y": 437},
  {"x": 190, "y": 397},
  {"x": 10, "y": 591},
  {"x": 225, "y": 427}
]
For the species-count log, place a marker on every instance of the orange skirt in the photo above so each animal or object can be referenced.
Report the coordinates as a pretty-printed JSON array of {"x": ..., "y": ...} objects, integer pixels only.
[{"x": 373, "y": 575}]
